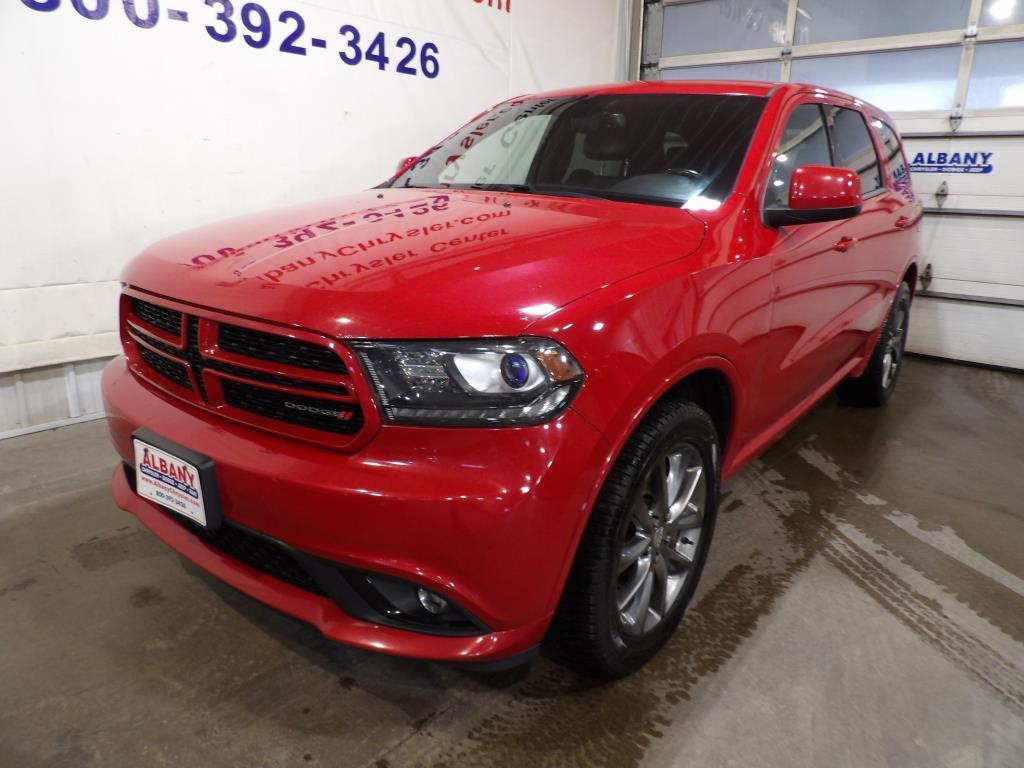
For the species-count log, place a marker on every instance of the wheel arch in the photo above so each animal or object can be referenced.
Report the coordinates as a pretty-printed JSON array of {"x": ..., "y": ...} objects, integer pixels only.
[
  {"x": 710, "y": 382},
  {"x": 710, "y": 389}
]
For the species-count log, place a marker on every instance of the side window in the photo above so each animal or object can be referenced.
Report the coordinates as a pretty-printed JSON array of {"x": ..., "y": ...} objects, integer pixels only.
[
  {"x": 894, "y": 158},
  {"x": 854, "y": 148},
  {"x": 804, "y": 142}
]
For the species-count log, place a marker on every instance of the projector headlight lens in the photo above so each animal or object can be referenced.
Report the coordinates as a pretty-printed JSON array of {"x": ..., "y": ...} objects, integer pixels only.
[
  {"x": 515, "y": 370},
  {"x": 485, "y": 382}
]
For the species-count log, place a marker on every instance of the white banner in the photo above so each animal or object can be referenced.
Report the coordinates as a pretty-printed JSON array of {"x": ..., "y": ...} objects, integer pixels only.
[{"x": 129, "y": 120}]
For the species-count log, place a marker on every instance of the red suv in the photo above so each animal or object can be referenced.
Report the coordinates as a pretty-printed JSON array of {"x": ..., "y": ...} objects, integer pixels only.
[{"x": 493, "y": 400}]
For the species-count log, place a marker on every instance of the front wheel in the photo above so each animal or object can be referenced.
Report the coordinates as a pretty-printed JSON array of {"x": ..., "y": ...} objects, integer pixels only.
[
  {"x": 876, "y": 385},
  {"x": 645, "y": 544}
]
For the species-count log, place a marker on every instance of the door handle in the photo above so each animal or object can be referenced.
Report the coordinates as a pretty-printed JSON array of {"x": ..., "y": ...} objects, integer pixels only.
[
  {"x": 904, "y": 223},
  {"x": 845, "y": 243}
]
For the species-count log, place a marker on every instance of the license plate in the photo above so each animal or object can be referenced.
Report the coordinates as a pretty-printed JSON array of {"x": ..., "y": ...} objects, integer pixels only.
[{"x": 175, "y": 478}]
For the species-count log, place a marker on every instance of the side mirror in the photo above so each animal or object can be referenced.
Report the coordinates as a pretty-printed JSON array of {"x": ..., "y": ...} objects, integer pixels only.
[
  {"x": 405, "y": 164},
  {"x": 818, "y": 193}
]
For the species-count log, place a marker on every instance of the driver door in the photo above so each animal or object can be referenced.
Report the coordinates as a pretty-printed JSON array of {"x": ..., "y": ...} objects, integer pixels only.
[{"x": 816, "y": 287}]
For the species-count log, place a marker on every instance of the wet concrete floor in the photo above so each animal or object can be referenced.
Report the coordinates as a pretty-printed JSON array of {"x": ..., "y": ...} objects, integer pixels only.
[{"x": 863, "y": 605}]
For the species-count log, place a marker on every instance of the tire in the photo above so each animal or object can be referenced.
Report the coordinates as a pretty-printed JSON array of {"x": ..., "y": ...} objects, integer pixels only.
[
  {"x": 876, "y": 385},
  {"x": 669, "y": 471}
]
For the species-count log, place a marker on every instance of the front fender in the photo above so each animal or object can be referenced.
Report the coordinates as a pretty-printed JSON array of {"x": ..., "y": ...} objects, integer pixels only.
[{"x": 637, "y": 339}]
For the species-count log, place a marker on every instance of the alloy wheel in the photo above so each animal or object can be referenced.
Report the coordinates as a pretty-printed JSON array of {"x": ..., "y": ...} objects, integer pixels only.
[
  {"x": 893, "y": 357},
  {"x": 666, "y": 520}
]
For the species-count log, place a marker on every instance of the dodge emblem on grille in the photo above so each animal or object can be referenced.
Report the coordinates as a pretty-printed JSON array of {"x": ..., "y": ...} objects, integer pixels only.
[{"x": 343, "y": 415}]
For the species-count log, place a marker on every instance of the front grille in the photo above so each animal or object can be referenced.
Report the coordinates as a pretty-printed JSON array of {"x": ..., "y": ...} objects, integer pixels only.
[
  {"x": 194, "y": 356},
  {"x": 170, "y": 370},
  {"x": 272, "y": 378},
  {"x": 163, "y": 318},
  {"x": 309, "y": 412},
  {"x": 278, "y": 349},
  {"x": 238, "y": 372},
  {"x": 246, "y": 373}
]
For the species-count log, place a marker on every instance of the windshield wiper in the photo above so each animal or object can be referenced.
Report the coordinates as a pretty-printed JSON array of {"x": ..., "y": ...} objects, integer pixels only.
[
  {"x": 591, "y": 194},
  {"x": 534, "y": 189},
  {"x": 521, "y": 188}
]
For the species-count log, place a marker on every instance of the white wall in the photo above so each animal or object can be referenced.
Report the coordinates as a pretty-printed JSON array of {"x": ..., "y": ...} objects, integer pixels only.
[
  {"x": 115, "y": 135},
  {"x": 50, "y": 396}
]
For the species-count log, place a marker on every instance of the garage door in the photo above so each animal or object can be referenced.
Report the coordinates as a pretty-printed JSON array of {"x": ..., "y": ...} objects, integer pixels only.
[{"x": 951, "y": 72}]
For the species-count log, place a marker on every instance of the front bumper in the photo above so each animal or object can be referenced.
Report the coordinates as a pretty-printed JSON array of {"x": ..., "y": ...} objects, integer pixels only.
[{"x": 489, "y": 518}]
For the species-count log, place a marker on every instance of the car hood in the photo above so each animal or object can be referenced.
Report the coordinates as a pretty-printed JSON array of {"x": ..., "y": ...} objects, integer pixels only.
[{"x": 414, "y": 263}]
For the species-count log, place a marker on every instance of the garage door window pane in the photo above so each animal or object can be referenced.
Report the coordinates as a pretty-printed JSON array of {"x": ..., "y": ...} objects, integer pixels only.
[
  {"x": 900, "y": 81},
  {"x": 824, "y": 21},
  {"x": 758, "y": 70},
  {"x": 995, "y": 12},
  {"x": 997, "y": 77},
  {"x": 712, "y": 26}
]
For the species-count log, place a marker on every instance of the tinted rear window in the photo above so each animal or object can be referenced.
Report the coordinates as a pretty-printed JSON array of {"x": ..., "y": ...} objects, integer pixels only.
[{"x": 894, "y": 158}]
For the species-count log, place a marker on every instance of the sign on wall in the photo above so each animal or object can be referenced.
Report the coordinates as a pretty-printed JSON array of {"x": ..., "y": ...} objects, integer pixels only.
[
  {"x": 979, "y": 173},
  {"x": 952, "y": 162},
  {"x": 130, "y": 120},
  {"x": 355, "y": 44}
]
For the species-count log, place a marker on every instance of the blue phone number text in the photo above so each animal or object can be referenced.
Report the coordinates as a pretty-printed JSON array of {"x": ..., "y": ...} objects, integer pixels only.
[{"x": 256, "y": 26}]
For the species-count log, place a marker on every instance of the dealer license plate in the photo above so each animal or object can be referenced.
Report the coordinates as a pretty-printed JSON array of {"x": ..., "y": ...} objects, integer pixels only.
[{"x": 171, "y": 482}]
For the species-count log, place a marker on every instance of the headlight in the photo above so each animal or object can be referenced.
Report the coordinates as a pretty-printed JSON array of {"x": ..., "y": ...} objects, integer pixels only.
[{"x": 477, "y": 382}]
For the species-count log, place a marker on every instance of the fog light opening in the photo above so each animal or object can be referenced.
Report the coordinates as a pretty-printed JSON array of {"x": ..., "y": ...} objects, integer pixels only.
[
  {"x": 406, "y": 604},
  {"x": 432, "y": 603}
]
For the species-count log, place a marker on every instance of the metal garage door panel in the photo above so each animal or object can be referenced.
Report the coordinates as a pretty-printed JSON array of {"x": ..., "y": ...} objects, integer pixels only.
[
  {"x": 976, "y": 255},
  {"x": 978, "y": 259},
  {"x": 979, "y": 333}
]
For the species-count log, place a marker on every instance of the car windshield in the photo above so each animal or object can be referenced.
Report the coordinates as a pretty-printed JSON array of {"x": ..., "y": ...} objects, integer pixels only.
[{"x": 662, "y": 149}]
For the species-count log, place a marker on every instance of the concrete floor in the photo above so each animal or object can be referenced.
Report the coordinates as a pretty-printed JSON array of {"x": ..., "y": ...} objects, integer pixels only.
[{"x": 863, "y": 605}]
